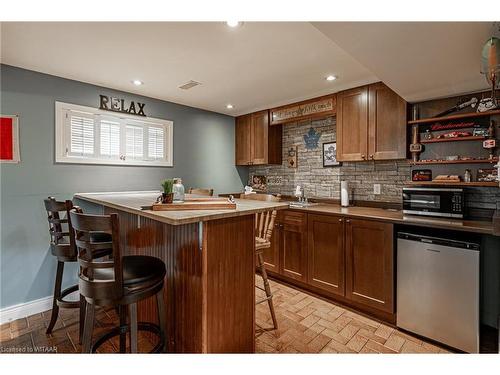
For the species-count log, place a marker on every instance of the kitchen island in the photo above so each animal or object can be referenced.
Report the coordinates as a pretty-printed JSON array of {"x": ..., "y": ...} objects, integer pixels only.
[{"x": 210, "y": 260}]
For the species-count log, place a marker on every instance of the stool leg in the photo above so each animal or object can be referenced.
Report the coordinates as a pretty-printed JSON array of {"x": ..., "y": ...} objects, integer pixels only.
[
  {"x": 57, "y": 295},
  {"x": 267, "y": 288},
  {"x": 83, "y": 307},
  {"x": 88, "y": 328},
  {"x": 161, "y": 317},
  {"x": 122, "y": 312},
  {"x": 133, "y": 327}
]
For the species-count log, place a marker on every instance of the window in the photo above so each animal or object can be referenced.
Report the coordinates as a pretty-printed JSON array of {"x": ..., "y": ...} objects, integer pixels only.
[{"x": 87, "y": 135}]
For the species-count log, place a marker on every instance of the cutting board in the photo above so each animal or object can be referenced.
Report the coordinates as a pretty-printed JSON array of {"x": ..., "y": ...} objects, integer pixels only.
[{"x": 196, "y": 203}]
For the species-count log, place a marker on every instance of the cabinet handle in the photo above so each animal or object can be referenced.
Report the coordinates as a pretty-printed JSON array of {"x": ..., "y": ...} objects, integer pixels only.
[
  {"x": 348, "y": 221},
  {"x": 371, "y": 157},
  {"x": 363, "y": 156},
  {"x": 341, "y": 220}
]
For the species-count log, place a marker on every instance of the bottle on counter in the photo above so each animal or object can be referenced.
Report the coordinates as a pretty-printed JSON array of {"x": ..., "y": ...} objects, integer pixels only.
[
  {"x": 468, "y": 176},
  {"x": 344, "y": 194},
  {"x": 178, "y": 190}
]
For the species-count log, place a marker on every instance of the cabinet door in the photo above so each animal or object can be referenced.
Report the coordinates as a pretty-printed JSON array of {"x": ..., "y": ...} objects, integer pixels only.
[
  {"x": 326, "y": 255},
  {"x": 259, "y": 147},
  {"x": 369, "y": 263},
  {"x": 386, "y": 123},
  {"x": 243, "y": 135},
  {"x": 272, "y": 254},
  {"x": 294, "y": 245},
  {"x": 352, "y": 124}
]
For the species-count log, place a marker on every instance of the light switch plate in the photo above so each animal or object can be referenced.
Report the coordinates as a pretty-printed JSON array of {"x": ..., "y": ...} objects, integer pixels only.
[{"x": 376, "y": 189}]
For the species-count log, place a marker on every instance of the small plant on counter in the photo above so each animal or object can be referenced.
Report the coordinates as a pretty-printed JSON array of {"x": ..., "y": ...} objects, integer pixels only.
[{"x": 167, "y": 195}]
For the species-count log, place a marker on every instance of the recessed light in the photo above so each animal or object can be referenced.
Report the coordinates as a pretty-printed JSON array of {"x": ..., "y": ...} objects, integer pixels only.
[
  {"x": 331, "y": 78},
  {"x": 137, "y": 82},
  {"x": 233, "y": 23},
  {"x": 229, "y": 106}
]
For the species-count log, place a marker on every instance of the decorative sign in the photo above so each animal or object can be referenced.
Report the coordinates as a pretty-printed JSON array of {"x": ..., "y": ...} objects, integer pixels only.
[
  {"x": 330, "y": 155},
  {"x": 109, "y": 103},
  {"x": 258, "y": 183},
  {"x": 311, "y": 139},
  {"x": 274, "y": 180},
  {"x": 292, "y": 157},
  {"x": 453, "y": 125},
  {"x": 9, "y": 139},
  {"x": 310, "y": 109}
]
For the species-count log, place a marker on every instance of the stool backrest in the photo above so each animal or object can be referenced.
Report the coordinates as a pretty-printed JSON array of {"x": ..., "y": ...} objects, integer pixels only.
[
  {"x": 199, "y": 191},
  {"x": 59, "y": 221},
  {"x": 100, "y": 279},
  {"x": 264, "y": 221}
]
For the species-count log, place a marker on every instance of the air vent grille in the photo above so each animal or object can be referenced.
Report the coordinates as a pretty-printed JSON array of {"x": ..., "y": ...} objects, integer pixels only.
[{"x": 189, "y": 85}]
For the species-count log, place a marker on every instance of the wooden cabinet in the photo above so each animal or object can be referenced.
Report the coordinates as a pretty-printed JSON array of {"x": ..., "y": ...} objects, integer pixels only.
[
  {"x": 326, "y": 253},
  {"x": 271, "y": 255},
  {"x": 352, "y": 124},
  {"x": 294, "y": 245},
  {"x": 371, "y": 124},
  {"x": 257, "y": 143},
  {"x": 369, "y": 263}
]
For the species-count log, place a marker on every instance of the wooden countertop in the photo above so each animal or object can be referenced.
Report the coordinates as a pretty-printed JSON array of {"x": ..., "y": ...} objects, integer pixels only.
[
  {"x": 397, "y": 217},
  {"x": 131, "y": 202}
]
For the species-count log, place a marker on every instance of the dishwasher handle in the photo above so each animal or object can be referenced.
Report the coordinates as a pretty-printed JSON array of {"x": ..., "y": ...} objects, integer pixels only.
[{"x": 438, "y": 241}]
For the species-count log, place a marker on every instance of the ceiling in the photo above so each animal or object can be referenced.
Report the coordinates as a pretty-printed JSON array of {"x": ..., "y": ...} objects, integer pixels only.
[
  {"x": 254, "y": 66},
  {"x": 418, "y": 60}
]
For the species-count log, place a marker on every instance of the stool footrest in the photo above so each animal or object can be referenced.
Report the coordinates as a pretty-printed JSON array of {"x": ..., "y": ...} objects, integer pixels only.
[
  {"x": 68, "y": 304},
  {"x": 141, "y": 326}
]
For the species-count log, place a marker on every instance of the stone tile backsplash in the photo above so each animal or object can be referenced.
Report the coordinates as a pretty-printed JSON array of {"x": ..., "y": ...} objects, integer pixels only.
[{"x": 325, "y": 182}]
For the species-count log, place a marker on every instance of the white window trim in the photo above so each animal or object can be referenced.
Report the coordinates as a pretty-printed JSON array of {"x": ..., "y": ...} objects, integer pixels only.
[{"x": 61, "y": 135}]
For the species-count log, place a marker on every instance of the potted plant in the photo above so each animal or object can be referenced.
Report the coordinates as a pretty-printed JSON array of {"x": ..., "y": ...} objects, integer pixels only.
[{"x": 167, "y": 195}]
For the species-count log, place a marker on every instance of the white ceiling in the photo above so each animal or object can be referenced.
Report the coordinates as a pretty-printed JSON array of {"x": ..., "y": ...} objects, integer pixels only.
[
  {"x": 418, "y": 60},
  {"x": 257, "y": 65}
]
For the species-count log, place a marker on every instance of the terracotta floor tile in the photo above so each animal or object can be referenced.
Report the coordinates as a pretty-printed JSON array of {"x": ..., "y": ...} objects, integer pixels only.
[
  {"x": 349, "y": 331},
  {"x": 395, "y": 342},
  {"x": 357, "y": 342},
  {"x": 374, "y": 345},
  {"x": 384, "y": 331}
]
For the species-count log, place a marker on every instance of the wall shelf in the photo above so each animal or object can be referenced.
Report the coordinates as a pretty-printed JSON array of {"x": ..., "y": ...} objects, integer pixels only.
[
  {"x": 454, "y": 117},
  {"x": 473, "y": 161},
  {"x": 441, "y": 183},
  {"x": 456, "y": 139}
]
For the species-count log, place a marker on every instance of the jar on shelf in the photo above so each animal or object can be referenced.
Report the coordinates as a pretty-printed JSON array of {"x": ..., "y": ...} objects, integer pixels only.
[
  {"x": 468, "y": 176},
  {"x": 178, "y": 190}
]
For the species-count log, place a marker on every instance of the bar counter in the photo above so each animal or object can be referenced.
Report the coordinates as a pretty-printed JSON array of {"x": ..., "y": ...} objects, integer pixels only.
[{"x": 210, "y": 260}]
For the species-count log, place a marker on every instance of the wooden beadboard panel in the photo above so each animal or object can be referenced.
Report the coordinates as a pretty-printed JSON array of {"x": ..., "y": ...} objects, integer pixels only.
[
  {"x": 229, "y": 262},
  {"x": 178, "y": 247}
]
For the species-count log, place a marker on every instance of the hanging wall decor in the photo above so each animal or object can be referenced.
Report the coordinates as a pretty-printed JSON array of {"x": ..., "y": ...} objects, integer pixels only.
[
  {"x": 330, "y": 155},
  {"x": 311, "y": 139},
  {"x": 9, "y": 139},
  {"x": 291, "y": 158}
]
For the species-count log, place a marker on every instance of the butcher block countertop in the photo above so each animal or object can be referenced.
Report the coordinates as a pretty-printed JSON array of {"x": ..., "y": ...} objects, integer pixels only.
[
  {"x": 397, "y": 217},
  {"x": 131, "y": 202}
]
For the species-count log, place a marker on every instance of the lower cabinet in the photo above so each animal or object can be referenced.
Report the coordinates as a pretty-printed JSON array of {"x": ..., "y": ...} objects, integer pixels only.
[
  {"x": 326, "y": 254},
  {"x": 369, "y": 263},
  {"x": 349, "y": 259}
]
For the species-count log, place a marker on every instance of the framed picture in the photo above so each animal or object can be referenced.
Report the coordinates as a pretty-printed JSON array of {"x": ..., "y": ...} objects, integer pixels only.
[
  {"x": 330, "y": 155},
  {"x": 9, "y": 139},
  {"x": 258, "y": 183}
]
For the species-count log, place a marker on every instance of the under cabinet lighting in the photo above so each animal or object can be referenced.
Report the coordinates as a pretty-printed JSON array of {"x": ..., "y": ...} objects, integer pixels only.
[
  {"x": 229, "y": 106},
  {"x": 331, "y": 78},
  {"x": 137, "y": 82},
  {"x": 233, "y": 23}
]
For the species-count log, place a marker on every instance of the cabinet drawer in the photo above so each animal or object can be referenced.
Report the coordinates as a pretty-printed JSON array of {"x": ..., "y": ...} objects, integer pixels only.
[{"x": 290, "y": 217}]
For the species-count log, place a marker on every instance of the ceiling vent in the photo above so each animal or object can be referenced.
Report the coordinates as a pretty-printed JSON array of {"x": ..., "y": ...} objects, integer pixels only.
[{"x": 189, "y": 85}]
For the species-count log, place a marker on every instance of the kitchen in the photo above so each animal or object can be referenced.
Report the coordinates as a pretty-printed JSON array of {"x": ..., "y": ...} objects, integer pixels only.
[{"x": 378, "y": 205}]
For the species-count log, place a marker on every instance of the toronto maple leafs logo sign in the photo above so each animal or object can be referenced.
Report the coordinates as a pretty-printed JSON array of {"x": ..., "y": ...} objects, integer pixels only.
[{"x": 311, "y": 139}]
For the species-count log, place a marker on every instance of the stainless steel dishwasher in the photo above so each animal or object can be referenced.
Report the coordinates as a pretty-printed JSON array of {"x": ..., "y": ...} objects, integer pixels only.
[{"x": 438, "y": 289}]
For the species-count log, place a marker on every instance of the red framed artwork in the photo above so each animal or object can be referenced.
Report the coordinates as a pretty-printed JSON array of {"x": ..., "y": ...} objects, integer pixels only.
[{"x": 9, "y": 139}]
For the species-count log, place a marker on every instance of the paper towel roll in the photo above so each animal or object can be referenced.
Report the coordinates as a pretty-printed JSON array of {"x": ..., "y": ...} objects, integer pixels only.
[{"x": 344, "y": 194}]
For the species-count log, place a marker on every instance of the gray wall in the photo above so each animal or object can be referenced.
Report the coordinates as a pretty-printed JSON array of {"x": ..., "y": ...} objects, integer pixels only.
[{"x": 203, "y": 156}]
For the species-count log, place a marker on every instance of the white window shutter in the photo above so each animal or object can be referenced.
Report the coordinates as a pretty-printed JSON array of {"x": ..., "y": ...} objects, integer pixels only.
[
  {"x": 81, "y": 135},
  {"x": 110, "y": 138},
  {"x": 134, "y": 142},
  {"x": 156, "y": 143}
]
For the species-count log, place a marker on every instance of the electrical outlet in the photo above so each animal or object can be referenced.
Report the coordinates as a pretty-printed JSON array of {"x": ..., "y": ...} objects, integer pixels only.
[{"x": 376, "y": 189}]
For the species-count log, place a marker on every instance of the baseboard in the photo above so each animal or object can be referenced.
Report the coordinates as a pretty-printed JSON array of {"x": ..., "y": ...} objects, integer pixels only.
[{"x": 23, "y": 310}]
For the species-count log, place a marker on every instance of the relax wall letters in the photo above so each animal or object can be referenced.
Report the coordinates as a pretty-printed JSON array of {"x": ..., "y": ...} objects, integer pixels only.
[{"x": 109, "y": 103}]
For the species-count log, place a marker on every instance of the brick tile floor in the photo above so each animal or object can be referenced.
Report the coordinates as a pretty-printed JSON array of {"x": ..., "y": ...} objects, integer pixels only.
[{"x": 306, "y": 325}]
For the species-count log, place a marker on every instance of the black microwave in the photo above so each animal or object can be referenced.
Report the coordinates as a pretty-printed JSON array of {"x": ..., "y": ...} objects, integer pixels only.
[{"x": 442, "y": 202}]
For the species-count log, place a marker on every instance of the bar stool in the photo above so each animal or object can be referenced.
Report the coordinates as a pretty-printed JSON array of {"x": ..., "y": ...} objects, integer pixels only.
[
  {"x": 63, "y": 247},
  {"x": 118, "y": 282},
  {"x": 264, "y": 225}
]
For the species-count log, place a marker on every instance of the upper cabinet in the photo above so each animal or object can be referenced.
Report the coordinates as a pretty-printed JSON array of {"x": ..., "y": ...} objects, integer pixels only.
[
  {"x": 371, "y": 124},
  {"x": 257, "y": 143}
]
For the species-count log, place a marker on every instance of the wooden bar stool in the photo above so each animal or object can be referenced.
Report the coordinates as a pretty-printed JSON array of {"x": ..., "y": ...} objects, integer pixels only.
[
  {"x": 63, "y": 247},
  {"x": 264, "y": 225},
  {"x": 199, "y": 191},
  {"x": 119, "y": 282}
]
